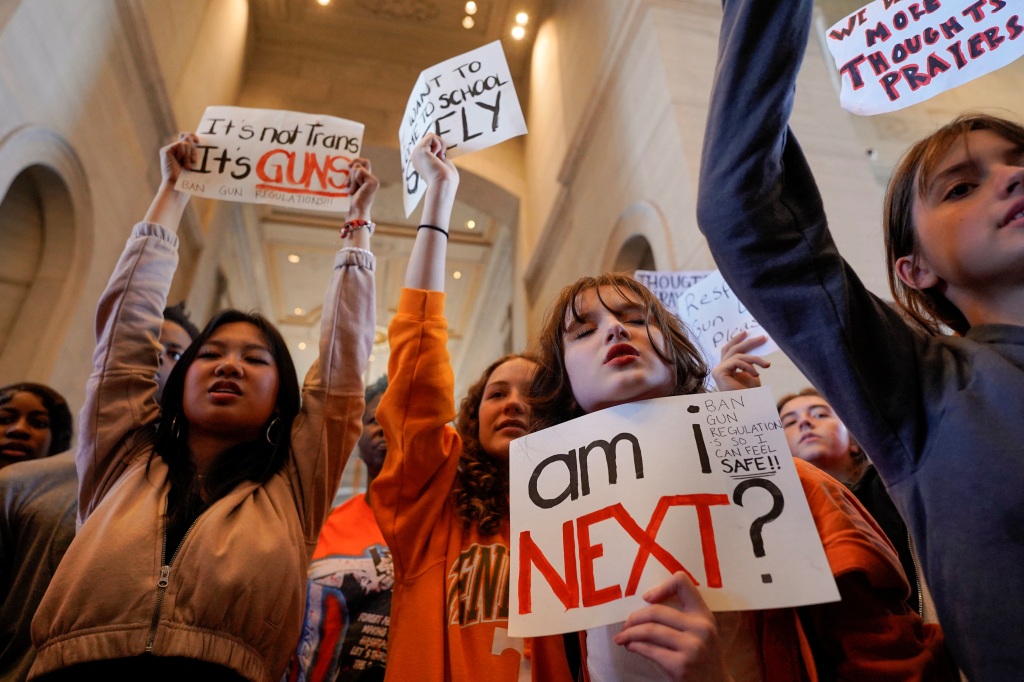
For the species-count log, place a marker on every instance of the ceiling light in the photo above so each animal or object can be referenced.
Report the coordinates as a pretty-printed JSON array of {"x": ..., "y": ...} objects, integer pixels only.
[
  {"x": 457, "y": 274},
  {"x": 470, "y": 7},
  {"x": 302, "y": 344},
  {"x": 470, "y": 224},
  {"x": 293, "y": 258},
  {"x": 467, "y": 22},
  {"x": 299, "y": 311},
  {"x": 324, "y": 3},
  {"x": 518, "y": 32},
  {"x": 522, "y": 18}
]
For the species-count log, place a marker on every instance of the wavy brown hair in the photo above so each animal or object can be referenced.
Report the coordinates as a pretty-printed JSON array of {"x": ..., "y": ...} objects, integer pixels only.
[
  {"x": 552, "y": 401},
  {"x": 481, "y": 485},
  {"x": 928, "y": 309}
]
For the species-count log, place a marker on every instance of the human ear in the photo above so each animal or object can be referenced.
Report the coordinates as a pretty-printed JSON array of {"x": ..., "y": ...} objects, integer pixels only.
[{"x": 915, "y": 272}]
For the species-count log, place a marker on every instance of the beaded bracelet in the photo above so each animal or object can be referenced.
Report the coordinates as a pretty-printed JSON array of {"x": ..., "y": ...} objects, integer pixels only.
[
  {"x": 351, "y": 226},
  {"x": 435, "y": 228}
]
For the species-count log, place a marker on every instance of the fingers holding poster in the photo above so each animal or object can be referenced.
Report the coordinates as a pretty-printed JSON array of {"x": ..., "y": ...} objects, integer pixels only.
[
  {"x": 468, "y": 100},
  {"x": 608, "y": 505},
  {"x": 893, "y": 54},
  {"x": 714, "y": 316},
  {"x": 274, "y": 157}
]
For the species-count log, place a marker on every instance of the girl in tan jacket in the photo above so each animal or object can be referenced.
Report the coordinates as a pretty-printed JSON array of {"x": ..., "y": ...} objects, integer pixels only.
[{"x": 198, "y": 516}]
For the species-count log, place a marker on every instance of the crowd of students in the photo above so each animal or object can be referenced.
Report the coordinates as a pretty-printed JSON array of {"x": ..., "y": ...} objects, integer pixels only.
[{"x": 191, "y": 534}]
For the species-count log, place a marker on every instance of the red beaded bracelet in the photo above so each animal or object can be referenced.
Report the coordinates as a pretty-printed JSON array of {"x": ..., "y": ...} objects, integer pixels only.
[{"x": 351, "y": 226}]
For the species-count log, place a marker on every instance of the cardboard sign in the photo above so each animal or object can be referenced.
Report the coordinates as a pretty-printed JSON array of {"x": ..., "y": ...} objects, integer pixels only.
[
  {"x": 669, "y": 286},
  {"x": 264, "y": 156},
  {"x": 714, "y": 316},
  {"x": 608, "y": 505},
  {"x": 469, "y": 100},
  {"x": 893, "y": 53}
]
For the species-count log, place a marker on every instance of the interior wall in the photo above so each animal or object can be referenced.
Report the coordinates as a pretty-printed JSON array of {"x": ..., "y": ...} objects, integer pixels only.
[{"x": 83, "y": 97}]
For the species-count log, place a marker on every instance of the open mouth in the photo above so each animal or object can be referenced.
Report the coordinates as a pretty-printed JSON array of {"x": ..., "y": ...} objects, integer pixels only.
[
  {"x": 511, "y": 424},
  {"x": 1014, "y": 214},
  {"x": 225, "y": 387},
  {"x": 621, "y": 350}
]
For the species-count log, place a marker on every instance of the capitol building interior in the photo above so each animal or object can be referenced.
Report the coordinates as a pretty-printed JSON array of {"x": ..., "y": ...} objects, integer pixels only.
[{"x": 614, "y": 93}]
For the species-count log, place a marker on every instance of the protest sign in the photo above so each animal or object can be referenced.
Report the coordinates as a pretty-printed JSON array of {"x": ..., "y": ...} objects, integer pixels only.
[
  {"x": 264, "y": 156},
  {"x": 714, "y": 316},
  {"x": 669, "y": 286},
  {"x": 607, "y": 505},
  {"x": 892, "y": 53},
  {"x": 469, "y": 100}
]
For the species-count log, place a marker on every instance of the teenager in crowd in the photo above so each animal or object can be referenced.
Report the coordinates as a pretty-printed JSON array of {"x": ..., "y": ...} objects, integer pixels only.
[
  {"x": 198, "y": 516},
  {"x": 939, "y": 413},
  {"x": 608, "y": 341},
  {"x": 442, "y": 496}
]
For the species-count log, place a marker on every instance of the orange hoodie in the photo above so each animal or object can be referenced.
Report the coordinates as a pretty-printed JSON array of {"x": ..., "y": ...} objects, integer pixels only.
[{"x": 449, "y": 609}]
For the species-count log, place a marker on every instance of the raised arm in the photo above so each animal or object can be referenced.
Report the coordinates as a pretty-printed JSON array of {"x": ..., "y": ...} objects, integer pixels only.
[
  {"x": 411, "y": 491},
  {"x": 119, "y": 395},
  {"x": 330, "y": 420},
  {"x": 426, "y": 263},
  {"x": 763, "y": 217}
]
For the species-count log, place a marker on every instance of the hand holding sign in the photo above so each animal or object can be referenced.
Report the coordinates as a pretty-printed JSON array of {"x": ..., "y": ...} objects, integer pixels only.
[
  {"x": 738, "y": 368},
  {"x": 362, "y": 187},
  {"x": 715, "y": 316},
  {"x": 677, "y": 631},
  {"x": 891, "y": 55},
  {"x": 430, "y": 159}
]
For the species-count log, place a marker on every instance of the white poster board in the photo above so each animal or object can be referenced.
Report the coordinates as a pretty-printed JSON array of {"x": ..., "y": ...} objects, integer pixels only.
[
  {"x": 702, "y": 483},
  {"x": 469, "y": 100},
  {"x": 891, "y": 54},
  {"x": 669, "y": 286},
  {"x": 714, "y": 315},
  {"x": 266, "y": 156}
]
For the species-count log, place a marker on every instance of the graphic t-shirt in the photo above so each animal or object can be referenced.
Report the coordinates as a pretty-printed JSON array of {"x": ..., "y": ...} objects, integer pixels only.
[{"x": 348, "y": 602}]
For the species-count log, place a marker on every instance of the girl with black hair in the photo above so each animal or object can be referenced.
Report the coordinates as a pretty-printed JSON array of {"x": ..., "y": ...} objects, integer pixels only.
[{"x": 198, "y": 517}]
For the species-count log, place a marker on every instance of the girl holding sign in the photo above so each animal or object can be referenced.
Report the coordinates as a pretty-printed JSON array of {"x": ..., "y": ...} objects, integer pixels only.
[
  {"x": 940, "y": 413},
  {"x": 441, "y": 499},
  {"x": 198, "y": 516},
  {"x": 608, "y": 341}
]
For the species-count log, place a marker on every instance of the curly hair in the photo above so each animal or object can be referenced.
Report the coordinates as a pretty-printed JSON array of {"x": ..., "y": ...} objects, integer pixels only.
[
  {"x": 552, "y": 400},
  {"x": 481, "y": 484},
  {"x": 928, "y": 309}
]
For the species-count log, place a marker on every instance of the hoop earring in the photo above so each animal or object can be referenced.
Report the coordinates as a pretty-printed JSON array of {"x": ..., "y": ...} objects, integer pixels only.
[
  {"x": 175, "y": 429},
  {"x": 271, "y": 425}
]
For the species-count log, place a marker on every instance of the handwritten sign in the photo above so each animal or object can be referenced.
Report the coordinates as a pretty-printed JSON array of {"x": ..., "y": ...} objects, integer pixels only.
[
  {"x": 469, "y": 100},
  {"x": 264, "y": 156},
  {"x": 669, "y": 286},
  {"x": 605, "y": 506},
  {"x": 714, "y": 316},
  {"x": 892, "y": 53}
]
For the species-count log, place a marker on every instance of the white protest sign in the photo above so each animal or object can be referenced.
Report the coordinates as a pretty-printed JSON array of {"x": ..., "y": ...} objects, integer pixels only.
[
  {"x": 892, "y": 54},
  {"x": 669, "y": 286},
  {"x": 714, "y": 316},
  {"x": 469, "y": 100},
  {"x": 607, "y": 505},
  {"x": 265, "y": 156}
]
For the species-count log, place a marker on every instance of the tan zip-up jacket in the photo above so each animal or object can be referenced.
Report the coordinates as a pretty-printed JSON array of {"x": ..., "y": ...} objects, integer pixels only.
[{"x": 234, "y": 592}]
